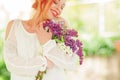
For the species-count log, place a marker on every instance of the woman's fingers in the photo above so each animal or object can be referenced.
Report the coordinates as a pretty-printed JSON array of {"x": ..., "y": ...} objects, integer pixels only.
[
  {"x": 42, "y": 34},
  {"x": 41, "y": 31},
  {"x": 46, "y": 30}
]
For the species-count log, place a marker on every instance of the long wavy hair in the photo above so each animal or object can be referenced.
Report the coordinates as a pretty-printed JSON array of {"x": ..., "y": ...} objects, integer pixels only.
[{"x": 41, "y": 7}]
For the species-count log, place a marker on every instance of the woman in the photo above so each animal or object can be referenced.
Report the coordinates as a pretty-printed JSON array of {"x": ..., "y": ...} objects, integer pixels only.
[{"x": 29, "y": 48}]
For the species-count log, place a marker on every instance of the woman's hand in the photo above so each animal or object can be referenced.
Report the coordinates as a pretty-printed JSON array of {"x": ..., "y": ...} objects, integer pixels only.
[
  {"x": 42, "y": 34},
  {"x": 50, "y": 64}
]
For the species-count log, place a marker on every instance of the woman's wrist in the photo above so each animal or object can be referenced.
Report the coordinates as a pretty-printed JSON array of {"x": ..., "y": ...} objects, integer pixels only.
[
  {"x": 49, "y": 63},
  {"x": 45, "y": 42},
  {"x": 48, "y": 46}
]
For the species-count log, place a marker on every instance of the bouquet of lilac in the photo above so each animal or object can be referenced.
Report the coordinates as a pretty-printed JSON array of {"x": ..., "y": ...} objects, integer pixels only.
[{"x": 68, "y": 38}]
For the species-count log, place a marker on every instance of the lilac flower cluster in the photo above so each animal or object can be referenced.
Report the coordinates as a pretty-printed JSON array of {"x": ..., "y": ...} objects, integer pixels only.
[
  {"x": 75, "y": 45},
  {"x": 55, "y": 28},
  {"x": 67, "y": 36}
]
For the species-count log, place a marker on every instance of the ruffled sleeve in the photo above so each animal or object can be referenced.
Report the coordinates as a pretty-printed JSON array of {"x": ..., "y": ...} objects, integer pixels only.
[
  {"x": 58, "y": 57},
  {"x": 19, "y": 65}
]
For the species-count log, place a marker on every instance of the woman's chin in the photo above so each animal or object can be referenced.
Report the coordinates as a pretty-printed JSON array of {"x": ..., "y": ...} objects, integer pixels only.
[{"x": 51, "y": 16}]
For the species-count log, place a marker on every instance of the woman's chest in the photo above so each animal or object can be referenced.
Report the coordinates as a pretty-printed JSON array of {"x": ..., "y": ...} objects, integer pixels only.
[{"x": 27, "y": 45}]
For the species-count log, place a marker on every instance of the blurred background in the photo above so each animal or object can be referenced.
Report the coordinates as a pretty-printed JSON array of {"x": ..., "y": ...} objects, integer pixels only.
[{"x": 98, "y": 24}]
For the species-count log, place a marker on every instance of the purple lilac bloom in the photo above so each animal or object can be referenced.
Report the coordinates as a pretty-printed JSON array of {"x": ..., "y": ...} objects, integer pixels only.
[
  {"x": 78, "y": 43},
  {"x": 74, "y": 48},
  {"x": 57, "y": 31},
  {"x": 71, "y": 32},
  {"x": 74, "y": 45},
  {"x": 80, "y": 54},
  {"x": 70, "y": 42},
  {"x": 54, "y": 27}
]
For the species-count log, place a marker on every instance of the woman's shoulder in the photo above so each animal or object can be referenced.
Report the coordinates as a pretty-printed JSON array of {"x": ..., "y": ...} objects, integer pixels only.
[
  {"x": 8, "y": 28},
  {"x": 10, "y": 23}
]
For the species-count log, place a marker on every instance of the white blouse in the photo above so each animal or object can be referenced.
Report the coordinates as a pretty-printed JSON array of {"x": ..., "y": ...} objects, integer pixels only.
[{"x": 23, "y": 57}]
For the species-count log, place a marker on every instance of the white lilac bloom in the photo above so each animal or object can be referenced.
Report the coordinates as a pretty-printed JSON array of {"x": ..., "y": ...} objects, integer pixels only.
[{"x": 65, "y": 49}]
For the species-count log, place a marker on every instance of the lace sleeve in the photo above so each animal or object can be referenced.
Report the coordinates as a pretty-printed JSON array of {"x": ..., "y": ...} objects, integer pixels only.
[{"x": 19, "y": 65}]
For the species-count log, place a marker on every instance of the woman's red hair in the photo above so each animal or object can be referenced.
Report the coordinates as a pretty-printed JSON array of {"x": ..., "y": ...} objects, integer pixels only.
[{"x": 41, "y": 7}]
